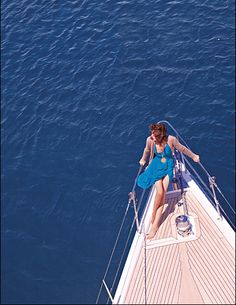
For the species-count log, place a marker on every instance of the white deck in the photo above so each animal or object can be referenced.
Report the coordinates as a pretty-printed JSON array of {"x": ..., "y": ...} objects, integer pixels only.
[{"x": 198, "y": 269}]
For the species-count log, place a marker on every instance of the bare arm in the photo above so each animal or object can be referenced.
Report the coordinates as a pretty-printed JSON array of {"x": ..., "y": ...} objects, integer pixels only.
[
  {"x": 185, "y": 150},
  {"x": 146, "y": 152}
]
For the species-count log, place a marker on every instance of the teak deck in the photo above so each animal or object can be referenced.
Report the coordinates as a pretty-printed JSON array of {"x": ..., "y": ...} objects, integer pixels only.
[{"x": 199, "y": 269}]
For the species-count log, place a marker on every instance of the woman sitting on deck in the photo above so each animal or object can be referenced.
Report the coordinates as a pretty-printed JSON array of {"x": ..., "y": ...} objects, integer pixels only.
[{"x": 160, "y": 147}]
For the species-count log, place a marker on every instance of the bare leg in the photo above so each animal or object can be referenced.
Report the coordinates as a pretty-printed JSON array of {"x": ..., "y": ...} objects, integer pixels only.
[
  {"x": 157, "y": 204},
  {"x": 156, "y": 208},
  {"x": 162, "y": 186},
  {"x": 158, "y": 199}
]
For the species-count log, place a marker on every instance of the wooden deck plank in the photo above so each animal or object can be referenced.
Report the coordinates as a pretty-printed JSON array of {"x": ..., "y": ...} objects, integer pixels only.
[
  {"x": 207, "y": 265},
  {"x": 224, "y": 264},
  {"x": 136, "y": 278},
  {"x": 156, "y": 265},
  {"x": 175, "y": 291},
  {"x": 160, "y": 273},
  {"x": 207, "y": 299},
  {"x": 171, "y": 271},
  {"x": 168, "y": 294},
  {"x": 211, "y": 231},
  {"x": 189, "y": 293},
  {"x": 174, "y": 270}
]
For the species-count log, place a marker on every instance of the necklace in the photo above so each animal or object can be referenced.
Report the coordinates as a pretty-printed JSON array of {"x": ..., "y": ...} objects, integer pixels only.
[{"x": 163, "y": 159}]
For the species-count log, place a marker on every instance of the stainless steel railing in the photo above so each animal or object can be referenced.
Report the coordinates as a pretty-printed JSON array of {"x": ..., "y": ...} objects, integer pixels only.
[
  {"x": 132, "y": 201},
  {"x": 212, "y": 179}
]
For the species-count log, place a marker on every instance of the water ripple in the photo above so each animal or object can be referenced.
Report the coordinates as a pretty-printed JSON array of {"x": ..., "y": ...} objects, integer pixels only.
[{"x": 81, "y": 82}]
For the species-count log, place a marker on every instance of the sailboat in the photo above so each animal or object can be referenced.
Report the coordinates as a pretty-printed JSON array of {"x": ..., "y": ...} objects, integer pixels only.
[{"x": 191, "y": 259}]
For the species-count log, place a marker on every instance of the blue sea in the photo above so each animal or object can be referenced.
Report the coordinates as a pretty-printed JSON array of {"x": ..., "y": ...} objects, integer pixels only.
[{"x": 81, "y": 82}]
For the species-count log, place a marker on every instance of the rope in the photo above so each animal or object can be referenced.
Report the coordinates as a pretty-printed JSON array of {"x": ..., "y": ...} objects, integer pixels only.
[
  {"x": 142, "y": 225},
  {"x": 209, "y": 176},
  {"x": 145, "y": 266},
  {"x": 126, "y": 244},
  {"x": 135, "y": 181},
  {"x": 180, "y": 178},
  {"x": 108, "y": 266},
  {"x": 122, "y": 223},
  {"x": 233, "y": 225},
  {"x": 182, "y": 140},
  {"x": 176, "y": 132},
  {"x": 207, "y": 186}
]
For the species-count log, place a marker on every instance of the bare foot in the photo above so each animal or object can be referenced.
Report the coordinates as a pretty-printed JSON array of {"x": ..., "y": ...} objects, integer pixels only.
[{"x": 151, "y": 233}]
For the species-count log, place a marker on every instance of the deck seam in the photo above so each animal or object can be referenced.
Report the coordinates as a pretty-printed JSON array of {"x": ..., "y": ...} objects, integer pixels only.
[
  {"x": 161, "y": 276},
  {"x": 208, "y": 271}
]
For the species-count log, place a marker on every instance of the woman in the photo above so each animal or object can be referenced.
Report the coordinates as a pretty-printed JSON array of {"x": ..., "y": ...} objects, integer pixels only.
[{"x": 160, "y": 148}]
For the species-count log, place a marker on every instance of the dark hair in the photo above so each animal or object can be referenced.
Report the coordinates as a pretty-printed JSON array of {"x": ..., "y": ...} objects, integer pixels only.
[{"x": 159, "y": 131}]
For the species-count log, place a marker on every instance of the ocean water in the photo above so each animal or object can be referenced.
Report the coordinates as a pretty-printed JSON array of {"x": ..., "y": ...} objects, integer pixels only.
[{"x": 81, "y": 82}]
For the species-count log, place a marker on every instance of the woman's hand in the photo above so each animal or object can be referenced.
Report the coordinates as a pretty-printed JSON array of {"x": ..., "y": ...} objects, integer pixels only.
[
  {"x": 142, "y": 162},
  {"x": 196, "y": 158}
]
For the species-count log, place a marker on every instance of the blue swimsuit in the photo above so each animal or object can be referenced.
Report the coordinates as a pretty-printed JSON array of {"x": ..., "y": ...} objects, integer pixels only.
[{"x": 157, "y": 170}]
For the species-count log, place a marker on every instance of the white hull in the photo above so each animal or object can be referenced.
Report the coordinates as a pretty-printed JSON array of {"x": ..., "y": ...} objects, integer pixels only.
[{"x": 196, "y": 269}]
